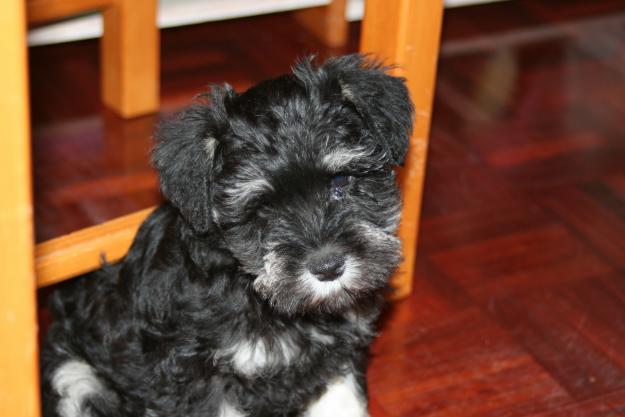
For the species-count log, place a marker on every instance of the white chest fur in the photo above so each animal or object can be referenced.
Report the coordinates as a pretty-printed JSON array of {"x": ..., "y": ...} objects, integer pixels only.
[
  {"x": 252, "y": 357},
  {"x": 342, "y": 397}
]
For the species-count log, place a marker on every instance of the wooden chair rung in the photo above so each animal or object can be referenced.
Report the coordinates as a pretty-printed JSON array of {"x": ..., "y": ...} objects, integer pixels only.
[
  {"x": 39, "y": 11},
  {"x": 82, "y": 251}
]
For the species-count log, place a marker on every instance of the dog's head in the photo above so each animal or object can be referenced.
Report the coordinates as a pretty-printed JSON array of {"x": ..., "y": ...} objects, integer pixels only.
[{"x": 297, "y": 173}]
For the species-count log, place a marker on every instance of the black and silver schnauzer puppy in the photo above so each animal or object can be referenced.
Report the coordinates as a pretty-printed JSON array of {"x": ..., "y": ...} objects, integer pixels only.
[{"x": 253, "y": 291}]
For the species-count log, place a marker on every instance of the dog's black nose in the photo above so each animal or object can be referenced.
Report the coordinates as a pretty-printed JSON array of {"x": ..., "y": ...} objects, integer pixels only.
[{"x": 327, "y": 267}]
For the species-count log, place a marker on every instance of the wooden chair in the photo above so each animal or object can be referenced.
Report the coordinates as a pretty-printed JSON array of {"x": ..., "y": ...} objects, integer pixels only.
[
  {"x": 407, "y": 33},
  {"x": 413, "y": 45},
  {"x": 328, "y": 23},
  {"x": 129, "y": 49}
]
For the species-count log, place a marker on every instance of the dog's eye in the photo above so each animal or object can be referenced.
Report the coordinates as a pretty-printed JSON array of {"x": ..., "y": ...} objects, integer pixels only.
[{"x": 339, "y": 183}]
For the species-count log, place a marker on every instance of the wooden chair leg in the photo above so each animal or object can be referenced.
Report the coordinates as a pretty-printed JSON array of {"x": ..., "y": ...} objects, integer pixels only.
[
  {"x": 407, "y": 33},
  {"x": 130, "y": 57},
  {"x": 328, "y": 23},
  {"x": 19, "y": 386}
]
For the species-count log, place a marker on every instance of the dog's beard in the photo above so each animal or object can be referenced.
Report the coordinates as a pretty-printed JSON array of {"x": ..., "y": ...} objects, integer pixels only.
[{"x": 290, "y": 288}]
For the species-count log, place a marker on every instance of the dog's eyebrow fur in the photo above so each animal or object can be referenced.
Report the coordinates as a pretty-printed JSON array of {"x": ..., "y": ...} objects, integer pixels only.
[
  {"x": 243, "y": 191},
  {"x": 338, "y": 159}
]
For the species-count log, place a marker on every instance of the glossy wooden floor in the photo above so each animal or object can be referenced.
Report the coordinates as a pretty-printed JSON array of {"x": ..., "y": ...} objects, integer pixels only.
[{"x": 519, "y": 303}]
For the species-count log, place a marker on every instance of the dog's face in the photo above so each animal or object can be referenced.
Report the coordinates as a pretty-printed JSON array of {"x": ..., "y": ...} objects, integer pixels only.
[{"x": 297, "y": 174}]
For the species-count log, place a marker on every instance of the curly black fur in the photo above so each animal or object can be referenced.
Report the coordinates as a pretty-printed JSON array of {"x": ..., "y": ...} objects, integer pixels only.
[{"x": 258, "y": 184}]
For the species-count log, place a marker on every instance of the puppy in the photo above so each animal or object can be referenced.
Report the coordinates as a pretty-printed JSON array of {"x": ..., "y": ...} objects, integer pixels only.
[{"x": 254, "y": 289}]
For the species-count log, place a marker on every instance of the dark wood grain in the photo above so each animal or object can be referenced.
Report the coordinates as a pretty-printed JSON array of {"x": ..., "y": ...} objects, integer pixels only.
[
  {"x": 518, "y": 308},
  {"x": 576, "y": 332},
  {"x": 610, "y": 405},
  {"x": 462, "y": 364}
]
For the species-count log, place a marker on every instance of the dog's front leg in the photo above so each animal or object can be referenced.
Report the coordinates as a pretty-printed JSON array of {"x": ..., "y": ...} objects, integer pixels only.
[{"x": 343, "y": 397}]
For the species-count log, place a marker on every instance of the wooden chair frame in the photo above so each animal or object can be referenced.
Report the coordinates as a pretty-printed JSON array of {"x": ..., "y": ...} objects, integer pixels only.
[
  {"x": 19, "y": 374},
  {"x": 413, "y": 46},
  {"x": 328, "y": 23},
  {"x": 129, "y": 49}
]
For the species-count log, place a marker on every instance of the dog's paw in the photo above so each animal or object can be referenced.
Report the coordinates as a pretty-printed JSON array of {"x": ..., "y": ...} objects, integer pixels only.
[{"x": 341, "y": 398}]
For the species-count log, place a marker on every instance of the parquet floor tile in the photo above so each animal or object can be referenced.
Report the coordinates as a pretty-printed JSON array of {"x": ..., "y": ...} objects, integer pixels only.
[
  {"x": 576, "y": 332},
  {"x": 466, "y": 366}
]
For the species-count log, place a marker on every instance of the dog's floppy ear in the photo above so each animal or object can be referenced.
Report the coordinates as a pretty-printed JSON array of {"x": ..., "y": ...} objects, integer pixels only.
[
  {"x": 381, "y": 100},
  {"x": 185, "y": 156}
]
